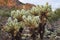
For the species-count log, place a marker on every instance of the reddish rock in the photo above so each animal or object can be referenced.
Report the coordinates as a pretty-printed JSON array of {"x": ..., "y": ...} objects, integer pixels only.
[
  {"x": 2, "y": 3},
  {"x": 15, "y": 3}
]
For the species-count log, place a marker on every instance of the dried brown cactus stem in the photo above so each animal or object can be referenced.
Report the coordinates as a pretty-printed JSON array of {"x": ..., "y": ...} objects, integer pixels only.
[
  {"x": 42, "y": 24},
  {"x": 19, "y": 18}
]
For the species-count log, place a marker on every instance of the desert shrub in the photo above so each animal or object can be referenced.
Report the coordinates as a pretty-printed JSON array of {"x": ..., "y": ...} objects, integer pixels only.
[{"x": 4, "y": 12}]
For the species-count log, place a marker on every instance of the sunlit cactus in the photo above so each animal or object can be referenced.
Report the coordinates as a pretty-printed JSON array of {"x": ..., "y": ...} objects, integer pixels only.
[
  {"x": 35, "y": 10},
  {"x": 58, "y": 30},
  {"x": 13, "y": 24},
  {"x": 37, "y": 15}
]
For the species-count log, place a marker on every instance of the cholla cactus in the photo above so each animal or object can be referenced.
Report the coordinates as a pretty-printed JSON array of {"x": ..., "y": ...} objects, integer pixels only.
[
  {"x": 31, "y": 17},
  {"x": 35, "y": 10},
  {"x": 19, "y": 13},
  {"x": 31, "y": 20},
  {"x": 58, "y": 30},
  {"x": 13, "y": 24}
]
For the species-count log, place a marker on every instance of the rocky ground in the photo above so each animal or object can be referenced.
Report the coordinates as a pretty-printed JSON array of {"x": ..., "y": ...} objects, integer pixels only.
[{"x": 3, "y": 21}]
